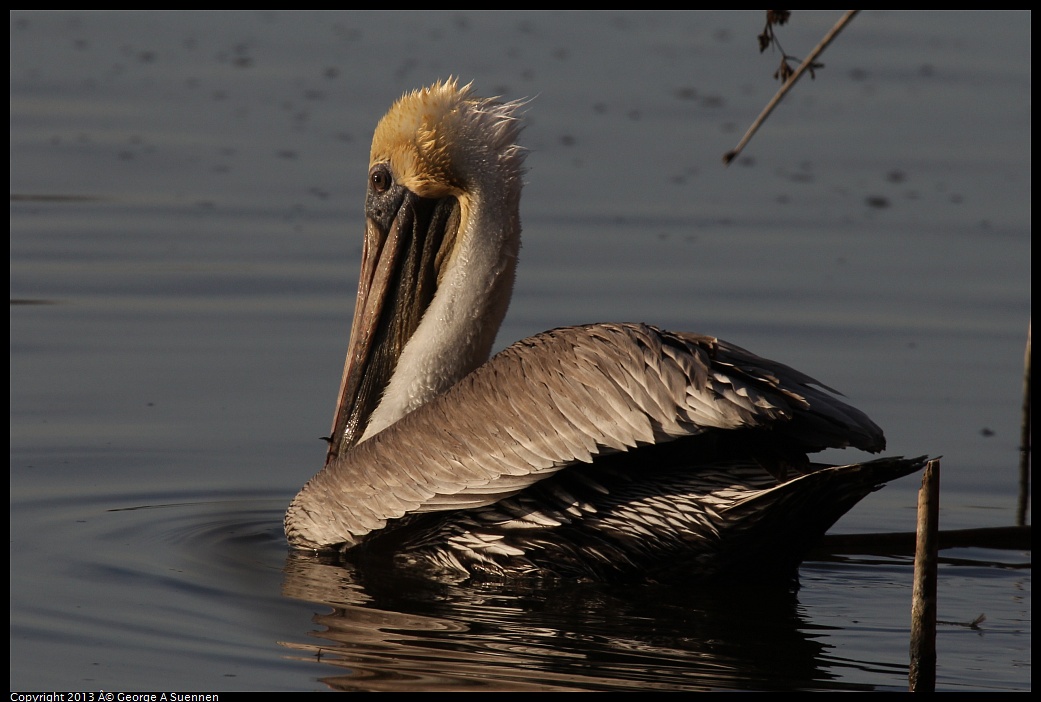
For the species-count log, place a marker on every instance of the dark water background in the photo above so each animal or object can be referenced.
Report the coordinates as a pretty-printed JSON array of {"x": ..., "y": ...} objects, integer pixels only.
[{"x": 186, "y": 220}]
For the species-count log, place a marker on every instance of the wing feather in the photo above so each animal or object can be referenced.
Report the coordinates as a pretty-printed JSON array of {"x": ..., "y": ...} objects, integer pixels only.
[{"x": 555, "y": 399}]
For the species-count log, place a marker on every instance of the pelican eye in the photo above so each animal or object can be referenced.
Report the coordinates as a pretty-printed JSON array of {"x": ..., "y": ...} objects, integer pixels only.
[{"x": 380, "y": 178}]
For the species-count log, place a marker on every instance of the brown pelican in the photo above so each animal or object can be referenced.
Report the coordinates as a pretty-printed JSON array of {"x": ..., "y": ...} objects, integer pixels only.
[{"x": 593, "y": 451}]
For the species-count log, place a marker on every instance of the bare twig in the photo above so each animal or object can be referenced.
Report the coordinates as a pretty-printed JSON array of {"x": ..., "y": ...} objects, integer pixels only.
[
  {"x": 1012, "y": 538},
  {"x": 974, "y": 624},
  {"x": 807, "y": 65}
]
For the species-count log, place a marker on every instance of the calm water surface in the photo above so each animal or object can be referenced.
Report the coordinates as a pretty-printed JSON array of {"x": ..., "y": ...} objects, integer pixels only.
[{"x": 186, "y": 194}]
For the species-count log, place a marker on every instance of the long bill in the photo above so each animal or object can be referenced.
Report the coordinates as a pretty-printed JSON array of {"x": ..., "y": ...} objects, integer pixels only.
[{"x": 400, "y": 269}]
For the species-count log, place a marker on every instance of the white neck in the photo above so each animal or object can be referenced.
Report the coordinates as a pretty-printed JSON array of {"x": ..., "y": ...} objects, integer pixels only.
[{"x": 457, "y": 331}]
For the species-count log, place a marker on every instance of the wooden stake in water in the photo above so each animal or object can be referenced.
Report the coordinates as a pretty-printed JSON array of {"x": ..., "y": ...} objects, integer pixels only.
[
  {"x": 922, "y": 675},
  {"x": 1024, "y": 441}
]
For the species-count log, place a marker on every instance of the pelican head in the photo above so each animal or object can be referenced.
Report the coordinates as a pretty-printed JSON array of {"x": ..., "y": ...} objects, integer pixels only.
[{"x": 441, "y": 240}]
